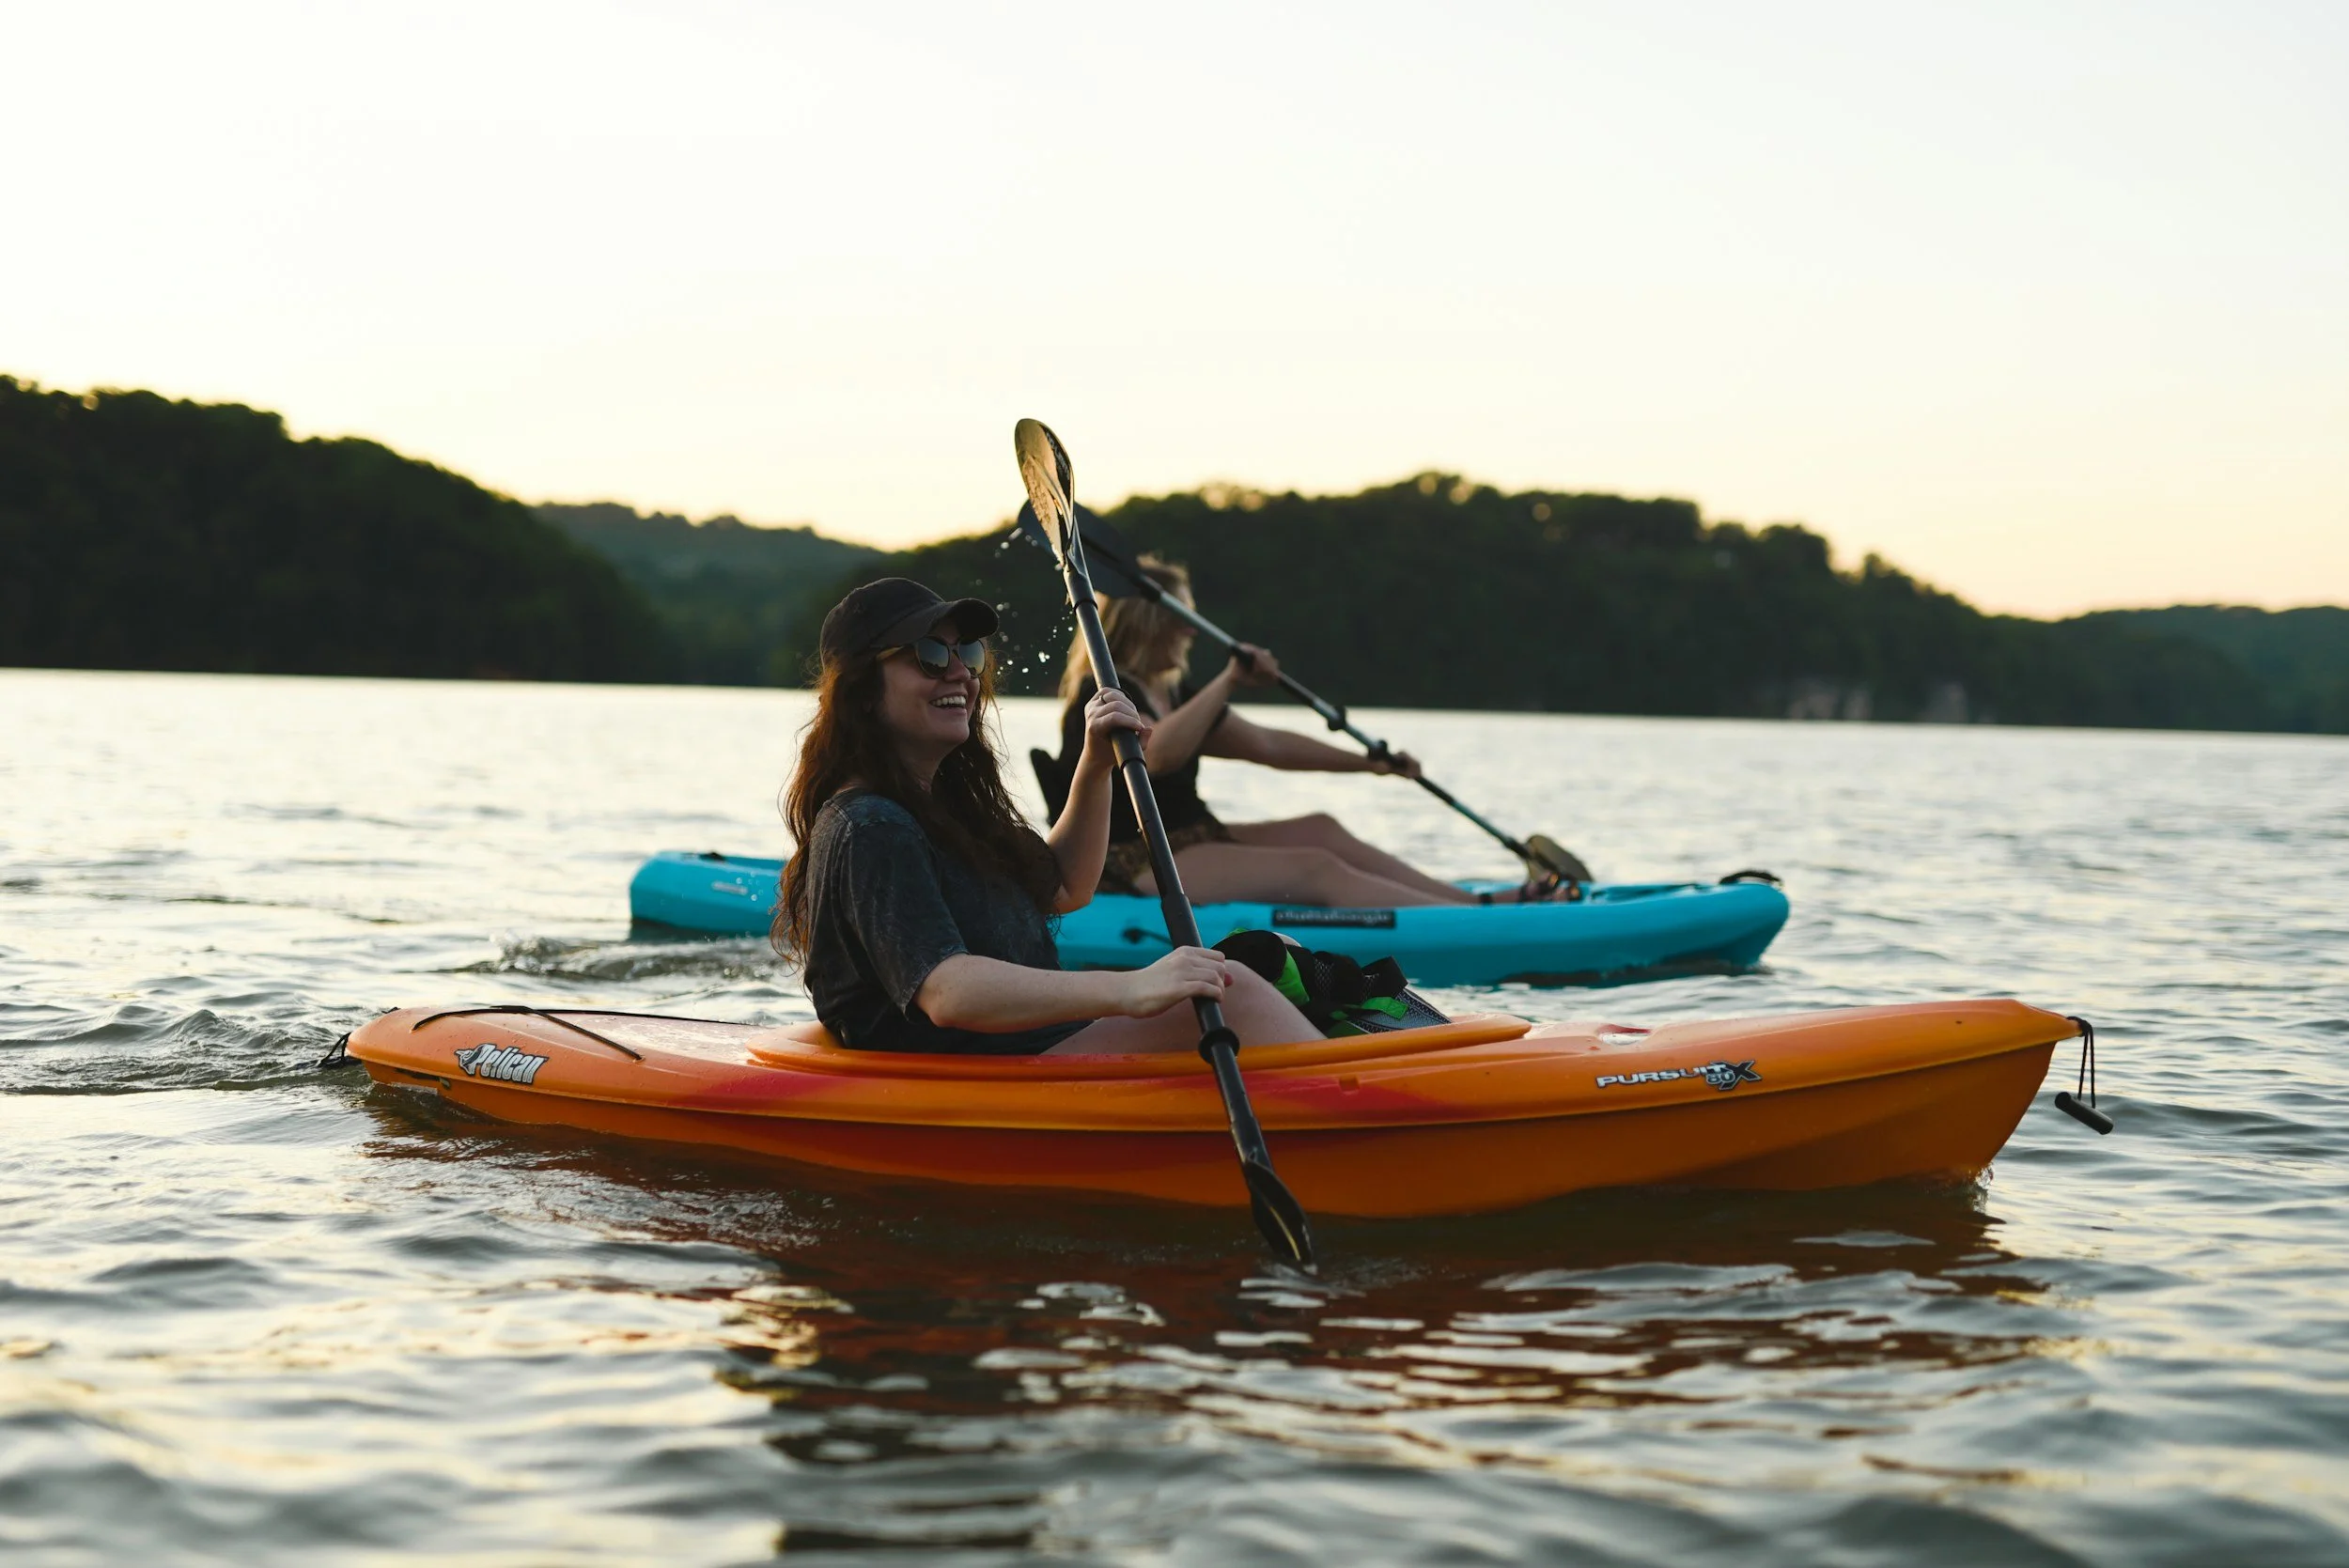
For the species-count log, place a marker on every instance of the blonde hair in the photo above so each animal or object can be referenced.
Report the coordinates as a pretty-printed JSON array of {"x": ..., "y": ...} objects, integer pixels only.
[{"x": 1146, "y": 639}]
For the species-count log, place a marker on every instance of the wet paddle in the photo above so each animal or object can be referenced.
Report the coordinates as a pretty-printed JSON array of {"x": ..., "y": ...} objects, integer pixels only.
[
  {"x": 1542, "y": 855},
  {"x": 1044, "y": 466}
]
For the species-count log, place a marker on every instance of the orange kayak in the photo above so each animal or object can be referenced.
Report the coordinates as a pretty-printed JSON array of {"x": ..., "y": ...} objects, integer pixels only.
[{"x": 1485, "y": 1113}]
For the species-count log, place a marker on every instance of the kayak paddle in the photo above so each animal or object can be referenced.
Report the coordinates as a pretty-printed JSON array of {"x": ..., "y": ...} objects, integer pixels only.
[
  {"x": 1543, "y": 855},
  {"x": 1044, "y": 466}
]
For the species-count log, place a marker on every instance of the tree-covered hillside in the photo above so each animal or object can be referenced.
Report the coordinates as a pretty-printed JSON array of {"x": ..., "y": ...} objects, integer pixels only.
[
  {"x": 728, "y": 593},
  {"x": 1437, "y": 592},
  {"x": 2300, "y": 657},
  {"x": 139, "y": 532}
]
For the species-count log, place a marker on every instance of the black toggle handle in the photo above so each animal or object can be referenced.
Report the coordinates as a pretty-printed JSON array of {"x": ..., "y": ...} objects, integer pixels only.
[
  {"x": 2067, "y": 1101},
  {"x": 2086, "y": 1115}
]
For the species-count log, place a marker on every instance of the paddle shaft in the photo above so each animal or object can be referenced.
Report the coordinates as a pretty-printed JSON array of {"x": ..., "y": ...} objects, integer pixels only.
[
  {"x": 1332, "y": 713},
  {"x": 1216, "y": 1043}
]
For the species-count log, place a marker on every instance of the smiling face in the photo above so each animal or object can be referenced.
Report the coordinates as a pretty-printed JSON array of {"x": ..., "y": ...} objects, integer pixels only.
[{"x": 925, "y": 717}]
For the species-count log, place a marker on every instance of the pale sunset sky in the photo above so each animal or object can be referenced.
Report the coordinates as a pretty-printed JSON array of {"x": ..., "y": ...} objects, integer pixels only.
[{"x": 2048, "y": 303}]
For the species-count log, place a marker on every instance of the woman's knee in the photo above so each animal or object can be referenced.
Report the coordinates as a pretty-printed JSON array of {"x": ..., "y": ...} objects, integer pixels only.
[
  {"x": 1249, "y": 989},
  {"x": 1327, "y": 873},
  {"x": 1260, "y": 1014},
  {"x": 1325, "y": 832}
]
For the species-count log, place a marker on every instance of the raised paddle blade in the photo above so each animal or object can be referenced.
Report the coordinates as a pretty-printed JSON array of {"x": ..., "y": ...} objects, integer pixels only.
[
  {"x": 1279, "y": 1215},
  {"x": 1107, "y": 555},
  {"x": 1033, "y": 529},
  {"x": 1050, "y": 480},
  {"x": 1547, "y": 854}
]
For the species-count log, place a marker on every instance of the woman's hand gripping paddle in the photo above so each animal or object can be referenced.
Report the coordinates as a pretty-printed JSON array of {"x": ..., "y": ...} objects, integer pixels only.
[
  {"x": 1544, "y": 858},
  {"x": 1050, "y": 479}
]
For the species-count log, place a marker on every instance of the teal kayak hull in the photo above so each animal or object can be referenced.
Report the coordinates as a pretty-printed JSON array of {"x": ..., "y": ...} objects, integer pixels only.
[{"x": 1620, "y": 930}]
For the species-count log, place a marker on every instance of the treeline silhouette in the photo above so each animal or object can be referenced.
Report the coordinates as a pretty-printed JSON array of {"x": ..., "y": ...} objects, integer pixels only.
[
  {"x": 140, "y": 533},
  {"x": 1437, "y": 592},
  {"x": 728, "y": 593},
  {"x": 2300, "y": 656}
]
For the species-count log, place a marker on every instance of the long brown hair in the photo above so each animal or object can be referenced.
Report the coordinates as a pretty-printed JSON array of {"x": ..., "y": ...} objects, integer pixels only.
[
  {"x": 1145, "y": 638},
  {"x": 966, "y": 811}
]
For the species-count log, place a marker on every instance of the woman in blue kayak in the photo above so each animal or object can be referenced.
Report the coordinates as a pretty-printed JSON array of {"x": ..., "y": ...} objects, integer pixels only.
[
  {"x": 1296, "y": 859},
  {"x": 918, "y": 904}
]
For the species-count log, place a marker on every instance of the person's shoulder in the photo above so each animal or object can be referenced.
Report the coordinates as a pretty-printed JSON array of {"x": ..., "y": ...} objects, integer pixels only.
[{"x": 864, "y": 813}]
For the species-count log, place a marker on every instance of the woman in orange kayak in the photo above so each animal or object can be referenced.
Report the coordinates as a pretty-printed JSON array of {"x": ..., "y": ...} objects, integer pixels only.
[
  {"x": 1296, "y": 859},
  {"x": 918, "y": 902}
]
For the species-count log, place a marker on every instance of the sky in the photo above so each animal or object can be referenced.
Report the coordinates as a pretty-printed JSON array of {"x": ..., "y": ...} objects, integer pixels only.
[{"x": 2047, "y": 303}]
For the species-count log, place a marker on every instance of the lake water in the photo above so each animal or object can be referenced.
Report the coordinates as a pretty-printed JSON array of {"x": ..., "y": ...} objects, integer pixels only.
[{"x": 255, "y": 1313}]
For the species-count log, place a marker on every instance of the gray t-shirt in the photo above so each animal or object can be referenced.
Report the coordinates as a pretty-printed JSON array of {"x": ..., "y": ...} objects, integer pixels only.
[{"x": 886, "y": 906}]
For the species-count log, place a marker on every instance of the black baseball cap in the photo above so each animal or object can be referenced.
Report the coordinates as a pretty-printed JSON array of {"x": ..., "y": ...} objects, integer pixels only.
[{"x": 893, "y": 611}]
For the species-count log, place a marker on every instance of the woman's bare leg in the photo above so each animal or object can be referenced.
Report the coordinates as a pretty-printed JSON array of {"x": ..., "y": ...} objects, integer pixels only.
[
  {"x": 1320, "y": 831},
  {"x": 1261, "y": 874},
  {"x": 1259, "y": 1014}
]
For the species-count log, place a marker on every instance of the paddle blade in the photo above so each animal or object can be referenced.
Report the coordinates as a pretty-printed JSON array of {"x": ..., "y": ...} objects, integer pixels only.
[
  {"x": 1279, "y": 1215},
  {"x": 1106, "y": 554},
  {"x": 1032, "y": 528},
  {"x": 1544, "y": 853},
  {"x": 1110, "y": 558},
  {"x": 1050, "y": 479}
]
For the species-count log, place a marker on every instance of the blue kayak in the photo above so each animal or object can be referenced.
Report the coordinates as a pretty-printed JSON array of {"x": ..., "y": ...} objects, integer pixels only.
[{"x": 1615, "y": 930}]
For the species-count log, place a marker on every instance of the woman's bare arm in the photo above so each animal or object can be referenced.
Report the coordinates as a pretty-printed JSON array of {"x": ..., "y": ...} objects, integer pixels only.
[
  {"x": 992, "y": 996},
  {"x": 1243, "y": 741},
  {"x": 1079, "y": 840},
  {"x": 1183, "y": 733}
]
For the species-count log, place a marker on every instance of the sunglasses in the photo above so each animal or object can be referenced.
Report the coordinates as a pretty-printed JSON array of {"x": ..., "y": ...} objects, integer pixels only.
[{"x": 933, "y": 655}]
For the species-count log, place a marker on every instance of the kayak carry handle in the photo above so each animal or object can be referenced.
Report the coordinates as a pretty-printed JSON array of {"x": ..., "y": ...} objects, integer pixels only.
[{"x": 2086, "y": 1115}]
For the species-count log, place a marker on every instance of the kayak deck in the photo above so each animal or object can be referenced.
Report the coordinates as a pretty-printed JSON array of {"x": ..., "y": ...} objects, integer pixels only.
[
  {"x": 1482, "y": 1113},
  {"x": 1615, "y": 930}
]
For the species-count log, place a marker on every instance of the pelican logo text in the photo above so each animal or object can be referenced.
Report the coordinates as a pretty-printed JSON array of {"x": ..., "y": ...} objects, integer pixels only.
[
  {"x": 500, "y": 1062},
  {"x": 1723, "y": 1076}
]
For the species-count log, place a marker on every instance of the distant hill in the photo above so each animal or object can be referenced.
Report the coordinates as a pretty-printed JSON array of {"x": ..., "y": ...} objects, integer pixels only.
[
  {"x": 2301, "y": 657},
  {"x": 1437, "y": 592},
  {"x": 140, "y": 533},
  {"x": 729, "y": 594}
]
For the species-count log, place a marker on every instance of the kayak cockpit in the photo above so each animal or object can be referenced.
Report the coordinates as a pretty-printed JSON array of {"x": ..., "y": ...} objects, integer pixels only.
[{"x": 808, "y": 1048}]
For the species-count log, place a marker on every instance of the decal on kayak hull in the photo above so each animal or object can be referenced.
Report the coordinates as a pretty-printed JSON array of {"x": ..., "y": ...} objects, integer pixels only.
[
  {"x": 502, "y": 1063},
  {"x": 1723, "y": 1076},
  {"x": 1366, "y": 920}
]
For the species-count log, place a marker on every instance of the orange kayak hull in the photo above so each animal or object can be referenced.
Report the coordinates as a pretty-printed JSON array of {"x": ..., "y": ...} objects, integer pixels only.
[{"x": 1482, "y": 1114}]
